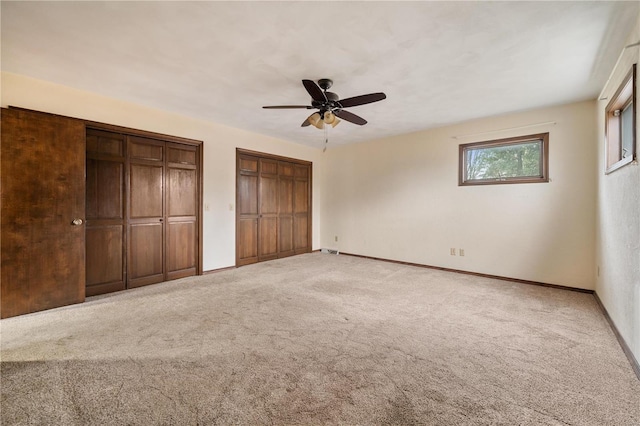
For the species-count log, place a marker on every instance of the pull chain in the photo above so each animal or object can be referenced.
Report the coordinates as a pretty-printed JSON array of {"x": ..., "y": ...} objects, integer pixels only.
[{"x": 326, "y": 137}]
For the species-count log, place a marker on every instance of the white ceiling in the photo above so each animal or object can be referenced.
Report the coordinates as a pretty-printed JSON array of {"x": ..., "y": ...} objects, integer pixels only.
[{"x": 438, "y": 62}]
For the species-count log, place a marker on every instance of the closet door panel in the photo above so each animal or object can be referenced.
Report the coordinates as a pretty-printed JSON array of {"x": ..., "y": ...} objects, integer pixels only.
[
  {"x": 145, "y": 149},
  {"x": 301, "y": 235},
  {"x": 268, "y": 213},
  {"x": 105, "y": 227},
  {"x": 268, "y": 195},
  {"x": 104, "y": 259},
  {"x": 301, "y": 196},
  {"x": 146, "y": 191},
  {"x": 247, "y": 241},
  {"x": 182, "y": 211},
  {"x": 105, "y": 231},
  {"x": 146, "y": 198},
  {"x": 268, "y": 247},
  {"x": 285, "y": 216},
  {"x": 146, "y": 242},
  {"x": 247, "y": 210},
  {"x": 285, "y": 229},
  {"x": 182, "y": 192},
  {"x": 105, "y": 143},
  {"x": 248, "y": 195},
  {"x": 301, "y": 213},
  {"x": 105, "y": 187},
  {"x": 181, "y": 253},
  {"x": 186, "y": 155},
  {"x": 286, "y": 196}
]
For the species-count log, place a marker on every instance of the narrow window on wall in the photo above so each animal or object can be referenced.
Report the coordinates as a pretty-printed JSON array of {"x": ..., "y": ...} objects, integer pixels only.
[
  {"x": 620, "y": 125},
  {"x": 524, "y": 159}
]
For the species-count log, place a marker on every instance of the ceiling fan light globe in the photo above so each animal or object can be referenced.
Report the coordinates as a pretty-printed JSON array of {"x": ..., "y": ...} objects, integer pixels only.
[
  {"x": 316, "y": 120},
  {"x": 329, "y": 117},
  {"x": 335, "y": 122}
]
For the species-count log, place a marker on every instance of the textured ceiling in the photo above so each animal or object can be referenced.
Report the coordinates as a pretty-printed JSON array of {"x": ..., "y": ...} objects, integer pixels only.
[{"x": 438, "y": 62}]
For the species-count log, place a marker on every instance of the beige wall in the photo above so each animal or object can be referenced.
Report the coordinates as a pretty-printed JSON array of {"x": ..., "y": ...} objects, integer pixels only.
[
  {"x": 618, "y": 220},
  {"x": 398, "y": 198},
  {"x": 220, "y": 143}
]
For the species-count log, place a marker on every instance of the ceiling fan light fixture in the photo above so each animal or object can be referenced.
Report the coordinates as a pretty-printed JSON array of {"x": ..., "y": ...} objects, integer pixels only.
[
  {"x": 316, "y": 120},
  {"x": 329, "y": 117},
  {"x": 327, "y": 102}
]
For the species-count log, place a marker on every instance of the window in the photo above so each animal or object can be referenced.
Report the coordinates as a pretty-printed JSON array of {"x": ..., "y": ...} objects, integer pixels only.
[
  {"x": 620, "y": 125},
  {"x": 524, "y": 159}
]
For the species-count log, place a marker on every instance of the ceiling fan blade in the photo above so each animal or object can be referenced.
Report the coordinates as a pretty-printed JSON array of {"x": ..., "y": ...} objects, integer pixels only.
[
  {"x": 362, "y": 99},
  {"x": 288, "y": 107},
  {"x": 348, "y": 116},
  {"x": 314, "y": 90},
  {"x": 306, "y": 123}
]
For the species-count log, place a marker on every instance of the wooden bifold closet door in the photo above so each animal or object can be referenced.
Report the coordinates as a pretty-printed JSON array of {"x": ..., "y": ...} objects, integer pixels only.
[
  {"x": 143, "y": 208},
  {"x": 273, "y": 216},
  {"x": 105, "y": 212}
]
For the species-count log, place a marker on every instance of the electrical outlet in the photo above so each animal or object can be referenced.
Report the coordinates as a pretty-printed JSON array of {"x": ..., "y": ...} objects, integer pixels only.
[
  {"x": 461, "y": 251},
  {"x": 336, "y": 238},
  {"x": 230, "y": 207},
  {"x": 453, "y": 252},
  {"x": 206, "y": 207}
]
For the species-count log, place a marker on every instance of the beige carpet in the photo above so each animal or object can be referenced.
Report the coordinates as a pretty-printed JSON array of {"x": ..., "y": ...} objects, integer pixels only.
[{"x": 320, "y": 339}]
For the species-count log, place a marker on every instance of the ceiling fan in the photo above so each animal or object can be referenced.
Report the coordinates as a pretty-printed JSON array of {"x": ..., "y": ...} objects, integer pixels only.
[{"x": 329, "y": 105}]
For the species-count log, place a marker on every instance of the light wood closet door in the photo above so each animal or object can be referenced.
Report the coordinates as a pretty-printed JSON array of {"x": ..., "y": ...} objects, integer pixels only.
[{"x": 145, "y": 252}]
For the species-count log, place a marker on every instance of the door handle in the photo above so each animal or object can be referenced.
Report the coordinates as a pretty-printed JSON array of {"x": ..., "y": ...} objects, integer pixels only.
[{"x": 77, "y": 222}]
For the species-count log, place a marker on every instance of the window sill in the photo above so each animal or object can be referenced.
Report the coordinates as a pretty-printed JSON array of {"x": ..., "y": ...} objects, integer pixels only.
[{"x": 620, "y": 164}]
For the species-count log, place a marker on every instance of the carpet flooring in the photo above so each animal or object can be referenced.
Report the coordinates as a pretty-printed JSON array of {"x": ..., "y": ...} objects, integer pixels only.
[{"x": 320, "y": 339}]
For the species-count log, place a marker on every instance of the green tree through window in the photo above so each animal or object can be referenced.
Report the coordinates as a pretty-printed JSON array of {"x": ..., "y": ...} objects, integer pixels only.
[{"x": 511, "y": 160}]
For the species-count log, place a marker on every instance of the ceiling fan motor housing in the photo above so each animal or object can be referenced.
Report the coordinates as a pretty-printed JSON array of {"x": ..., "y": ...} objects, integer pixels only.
[{"x": 325, "y": 83}]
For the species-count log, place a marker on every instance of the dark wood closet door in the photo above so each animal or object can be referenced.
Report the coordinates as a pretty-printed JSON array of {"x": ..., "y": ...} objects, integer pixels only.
[
  {"x": 268, "y": 211},
  {"x": 105, "y": 230},
  {"x": 182, "y": 210},
  {"x": 43, "y": 208},
  {"x": 145, "y": 253},
  {"x": 246, "y": 210},
  {"x": 285, "y": 209},
  {"x": 302, "y": 209},
  {"x": 273, "y": 218}
]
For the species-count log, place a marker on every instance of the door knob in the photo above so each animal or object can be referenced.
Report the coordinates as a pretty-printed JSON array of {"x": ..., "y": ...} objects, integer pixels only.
[{"x": 76, "y": 222}]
